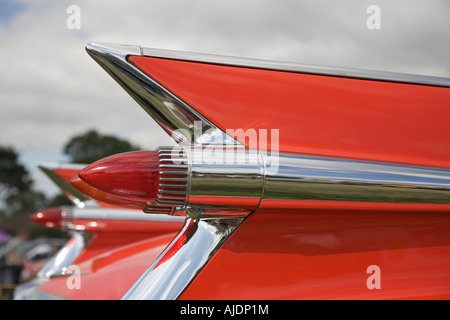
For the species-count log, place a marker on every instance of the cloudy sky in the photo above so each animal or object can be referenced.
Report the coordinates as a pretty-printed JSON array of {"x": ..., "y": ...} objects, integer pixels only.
[{"x": 50, "y": 89}]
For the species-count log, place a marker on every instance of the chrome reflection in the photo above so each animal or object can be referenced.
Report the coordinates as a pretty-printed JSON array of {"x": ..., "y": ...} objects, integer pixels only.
[
  {"x": 64, "y": 257},
  {"x": 235, "y": 181},
  {"x": 176, "y": 117},
  {"x": 55, "y": 266},
  {"x": 225, "y": 177},
  {"x": 178, "y": 265},
  {"x": 316, "y": 178}
]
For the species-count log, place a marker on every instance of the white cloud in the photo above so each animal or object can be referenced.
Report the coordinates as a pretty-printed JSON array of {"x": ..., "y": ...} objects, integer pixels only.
[{"x": 50, "y": 89}]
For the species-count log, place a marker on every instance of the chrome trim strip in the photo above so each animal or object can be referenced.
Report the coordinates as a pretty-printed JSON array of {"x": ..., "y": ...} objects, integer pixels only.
[
  {"x": 236, "y": 182},
  {"x": 64, "y": 166},
  {"x": 29, "y": 290},
  {"x": 64, "y": 257},
  {"x": 299, "y": 177},
  {"x": 294, "y": 177},
  {"x": 298, "y": 67},
  {"x": 239, "y": 186},
  {"x": 169, "y": 279},
  {"x": 35, "y": 294},
  {"x": 54, "y": 267},
  {"x": 177, "y": 118},
  {"x": 116, "y": 214},
  {"x": 225, "y": 177}
]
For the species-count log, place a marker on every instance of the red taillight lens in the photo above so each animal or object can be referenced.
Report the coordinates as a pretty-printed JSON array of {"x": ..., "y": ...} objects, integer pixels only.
[
  {"x": 104, "y": 197},
  {"x": 133, "y": 176},
  {"x": 148, "y": 180},
  {"x": 50, "y": 218}
]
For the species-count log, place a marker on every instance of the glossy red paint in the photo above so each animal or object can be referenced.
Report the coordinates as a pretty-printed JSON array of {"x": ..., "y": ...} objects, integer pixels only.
[
  {"x": 324, "y": 252},
  {"x": 316, "y": 114},
  {"x": 66, "y": 173},
  {"x": 316, "y": 249},
  {"x": 310, "y": 206},
  {"x": 123, "y": 225},
  {"x": 108, "y": 272},
  {"x": 299, "y": 249}
]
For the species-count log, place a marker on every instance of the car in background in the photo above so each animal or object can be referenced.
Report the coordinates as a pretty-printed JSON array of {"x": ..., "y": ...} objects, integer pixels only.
[
  {"x": 39, "y": 253},
  {"x": 104, "y": 239}
]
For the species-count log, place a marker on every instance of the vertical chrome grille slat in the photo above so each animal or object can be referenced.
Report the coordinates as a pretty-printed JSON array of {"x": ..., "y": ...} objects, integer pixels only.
[{"x": 170, "y": 195}]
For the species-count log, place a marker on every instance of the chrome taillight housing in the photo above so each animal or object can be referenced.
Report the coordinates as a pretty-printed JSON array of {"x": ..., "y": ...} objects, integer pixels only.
[
  {"x": 234, "y": 181},
  {"x": 218, "y": 179},
  {"x": 171, "y": 179}
]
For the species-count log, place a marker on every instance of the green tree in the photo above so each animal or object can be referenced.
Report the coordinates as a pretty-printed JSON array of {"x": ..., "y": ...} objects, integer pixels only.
[
  {"x": 92, "y": 146},
  {"x": 17, "y": 195},
  {"x": 14, "y": 178}
]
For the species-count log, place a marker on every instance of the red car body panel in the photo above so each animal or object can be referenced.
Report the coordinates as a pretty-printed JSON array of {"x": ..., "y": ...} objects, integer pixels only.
[
  {"x": 297, "y": 249},
  {"x": 322, "y": 249},
  {"x": 317, "y": 114},
  {"x": 118, "y": 252},
  {"x": 116, "y": 256},
  {"x": 323, "y": 252},
  {"x": 65, "y": 173},
  {"x": 108, "y": 271}
]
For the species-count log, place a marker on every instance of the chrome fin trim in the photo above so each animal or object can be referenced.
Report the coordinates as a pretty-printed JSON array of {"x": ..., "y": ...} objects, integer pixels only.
[
  {"x": 185, "y": 125},
  {"x": 64, "y": 257},
  {"x": 36, "y": 294},
  {"x": 168, "y": 280},
  {"x": 298, "y": 67},
  {"x": 57, "y": 265}
]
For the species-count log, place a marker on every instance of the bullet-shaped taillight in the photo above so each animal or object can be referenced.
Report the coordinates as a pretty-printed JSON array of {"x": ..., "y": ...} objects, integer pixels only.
[
  {"x": 50, "y": 218},
  {"x": 103, "y": 197},
  {"x": 173, "y": 179},
  {"x": 137, "y": 179},
  {"x": 133, "y": 175}
]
